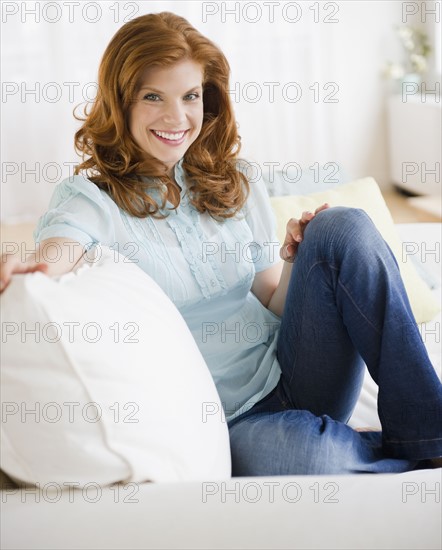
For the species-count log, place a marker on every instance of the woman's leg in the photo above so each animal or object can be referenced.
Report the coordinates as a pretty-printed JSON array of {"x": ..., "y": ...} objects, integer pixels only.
[
  {"x": 271, "y": 439},
  {"x": 346, "y": 300}
]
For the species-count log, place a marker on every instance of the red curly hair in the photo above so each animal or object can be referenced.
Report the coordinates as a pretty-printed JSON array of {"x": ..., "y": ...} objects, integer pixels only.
[{"x": 114, "y": 161}]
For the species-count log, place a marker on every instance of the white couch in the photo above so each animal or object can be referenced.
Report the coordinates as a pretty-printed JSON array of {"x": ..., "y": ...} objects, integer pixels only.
[{"x": 360, "y": 511}]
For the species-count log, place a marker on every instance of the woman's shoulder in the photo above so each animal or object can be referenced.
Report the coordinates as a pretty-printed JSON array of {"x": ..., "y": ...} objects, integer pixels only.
[{"x": 75, "y": 186}]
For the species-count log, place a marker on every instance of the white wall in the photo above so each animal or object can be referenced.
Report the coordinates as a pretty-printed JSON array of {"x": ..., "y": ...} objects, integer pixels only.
[{"x": 288, "y": 46}]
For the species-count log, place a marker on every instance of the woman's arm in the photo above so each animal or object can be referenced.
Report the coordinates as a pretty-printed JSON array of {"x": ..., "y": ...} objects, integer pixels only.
[
  {"x": 270, "y": 286},
  {"x": 53, "y": 256}
]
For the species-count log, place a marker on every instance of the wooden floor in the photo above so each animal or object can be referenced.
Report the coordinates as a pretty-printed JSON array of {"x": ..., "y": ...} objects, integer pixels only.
[{"x": 403, "y": 212}]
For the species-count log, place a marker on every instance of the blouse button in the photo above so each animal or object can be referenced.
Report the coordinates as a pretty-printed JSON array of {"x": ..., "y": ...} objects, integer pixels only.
[
  {"x": 213, "y": 282},
  {"x": 189, "y": 229}
]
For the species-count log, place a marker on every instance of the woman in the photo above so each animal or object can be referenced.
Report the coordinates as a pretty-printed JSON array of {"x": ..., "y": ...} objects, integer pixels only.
[{"x": 161, "y": 178}]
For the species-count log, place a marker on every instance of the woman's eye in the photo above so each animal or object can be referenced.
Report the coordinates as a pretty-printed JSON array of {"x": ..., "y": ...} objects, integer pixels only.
[
  {"x": 191, "y": 97},
  {"x": 152, "y": 97}
]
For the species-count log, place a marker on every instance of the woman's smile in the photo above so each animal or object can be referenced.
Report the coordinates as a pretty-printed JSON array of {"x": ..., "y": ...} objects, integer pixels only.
[{"x": 170, "y": 138}]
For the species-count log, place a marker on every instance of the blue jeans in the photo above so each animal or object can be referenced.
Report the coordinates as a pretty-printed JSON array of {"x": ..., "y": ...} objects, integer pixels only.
[{"x": 346, "y": 305}]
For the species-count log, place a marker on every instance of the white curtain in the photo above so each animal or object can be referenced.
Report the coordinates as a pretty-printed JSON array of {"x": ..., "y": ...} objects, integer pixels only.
[{"x": 306, "y": 83}]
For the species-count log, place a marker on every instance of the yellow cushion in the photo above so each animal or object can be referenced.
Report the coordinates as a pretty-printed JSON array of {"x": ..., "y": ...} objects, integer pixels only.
[{"x": 365, "y": 194}]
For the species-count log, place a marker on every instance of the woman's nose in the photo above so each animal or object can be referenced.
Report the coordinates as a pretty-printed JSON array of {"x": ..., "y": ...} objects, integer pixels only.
[{"x": 174, "y": 113}]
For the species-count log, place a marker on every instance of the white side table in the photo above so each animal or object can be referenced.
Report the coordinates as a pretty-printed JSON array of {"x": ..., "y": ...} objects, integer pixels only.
[{"x": 415, "y": 127}]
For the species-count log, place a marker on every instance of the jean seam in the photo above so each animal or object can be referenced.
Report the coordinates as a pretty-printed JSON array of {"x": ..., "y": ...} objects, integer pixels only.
[
  {"x": 358, "y": 309},
  {"x": 408, "y": 441},
  {"x": 305, "y": 286}
]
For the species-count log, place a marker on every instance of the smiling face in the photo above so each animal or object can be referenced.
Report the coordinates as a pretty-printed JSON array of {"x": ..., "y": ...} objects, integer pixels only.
[{"x": 167, "y": 115}]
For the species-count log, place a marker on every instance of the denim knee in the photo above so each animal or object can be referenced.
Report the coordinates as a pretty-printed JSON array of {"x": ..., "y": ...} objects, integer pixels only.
[
  {"x": 341, "y": 229},
  {"x": 342, "y": 219}
]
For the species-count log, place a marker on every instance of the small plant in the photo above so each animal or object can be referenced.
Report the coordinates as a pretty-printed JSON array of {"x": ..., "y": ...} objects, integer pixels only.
[{"x": 416, "y": 50}]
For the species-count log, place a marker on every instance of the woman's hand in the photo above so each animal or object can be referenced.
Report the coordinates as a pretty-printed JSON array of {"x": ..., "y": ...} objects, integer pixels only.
[
  {"x": 70, "y": 254},
  {"x": 11, "y": 264},
  {"x": 295, "y": 234}
]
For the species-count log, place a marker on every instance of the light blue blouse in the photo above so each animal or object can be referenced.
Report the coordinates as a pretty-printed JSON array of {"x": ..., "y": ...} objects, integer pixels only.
[{"x": 205, "y": 266}]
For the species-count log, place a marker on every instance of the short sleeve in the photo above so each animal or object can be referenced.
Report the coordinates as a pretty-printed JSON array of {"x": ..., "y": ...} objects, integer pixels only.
[
  {"x": 78, "y": 211},
  {"x": 261, "y": 220}
]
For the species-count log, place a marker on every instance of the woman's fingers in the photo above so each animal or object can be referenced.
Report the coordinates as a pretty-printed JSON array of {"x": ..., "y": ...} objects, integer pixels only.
[
  {"x": 11, "y": 265},
  {"x": 298, "y": 226},
  {"x": 322, "y": 207},
  {"x": 292, "y": 239},
  {"x": 295, "y": 233},
  {"x": 287, "y": 253},
  {"x": 307, "y": 216}
]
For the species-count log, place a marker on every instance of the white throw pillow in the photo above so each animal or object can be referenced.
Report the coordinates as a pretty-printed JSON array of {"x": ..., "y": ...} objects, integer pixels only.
[{"x": 118, "y": 385}]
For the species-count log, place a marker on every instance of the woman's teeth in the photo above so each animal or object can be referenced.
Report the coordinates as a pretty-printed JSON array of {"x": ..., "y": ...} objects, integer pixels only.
[{"x": 171, "y": 137}]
